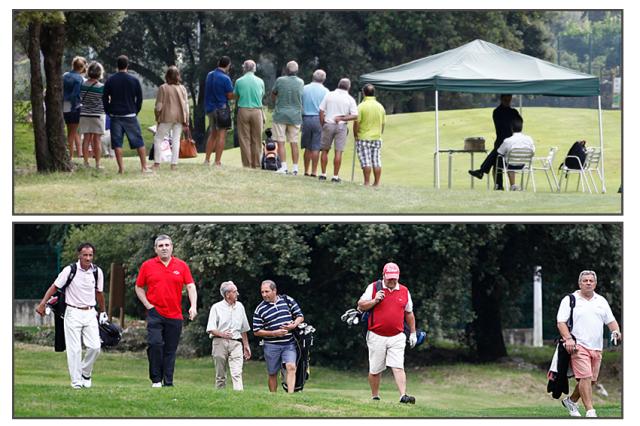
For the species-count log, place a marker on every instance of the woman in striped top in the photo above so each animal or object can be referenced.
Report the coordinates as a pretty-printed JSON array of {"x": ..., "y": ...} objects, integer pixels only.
[{"x": 92, "y": 114}]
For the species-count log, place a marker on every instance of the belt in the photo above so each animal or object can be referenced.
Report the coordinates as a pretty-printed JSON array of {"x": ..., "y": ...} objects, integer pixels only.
[
  {"x": 84, "y": 308},
  {"x": 235, "y": 340}
]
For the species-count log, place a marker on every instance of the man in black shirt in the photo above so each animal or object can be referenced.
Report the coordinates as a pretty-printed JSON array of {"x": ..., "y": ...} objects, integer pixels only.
[{"x": 503, "y": 116}]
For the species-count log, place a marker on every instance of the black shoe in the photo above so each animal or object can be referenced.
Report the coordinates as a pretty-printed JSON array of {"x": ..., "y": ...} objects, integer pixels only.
[
  {"x": 336, "y": 180},
  {"x": 406, "y": 399},
  {"x": 476, "y": 173},
  {"x": 375, "y": 398},
  {"x": 499, "y": 188},
  {"x": 321, "y": 177}
]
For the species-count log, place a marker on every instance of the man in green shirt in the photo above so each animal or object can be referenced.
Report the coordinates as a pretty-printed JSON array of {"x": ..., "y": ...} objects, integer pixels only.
[
  {"x": 249, "y": 91},
  {"x": 287, "y": 114},
  {"x": 367, "y": 131}
]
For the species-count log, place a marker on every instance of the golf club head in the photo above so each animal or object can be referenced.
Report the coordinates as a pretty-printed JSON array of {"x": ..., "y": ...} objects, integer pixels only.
[{"x": 355, "y": 321}]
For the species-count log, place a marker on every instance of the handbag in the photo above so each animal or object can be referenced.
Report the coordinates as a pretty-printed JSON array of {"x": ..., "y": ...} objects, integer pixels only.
[
  {"x": 223, "y": 117},
  {"x": 188, "y": 146}
]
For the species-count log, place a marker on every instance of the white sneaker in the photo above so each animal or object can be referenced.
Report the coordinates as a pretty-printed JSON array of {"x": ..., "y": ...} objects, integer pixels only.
[
  {"x": 76, "y": 386},
  {"x": 571, "y": 407},
  {"x": 86, "y": 383},
  {"x": 282, "y": 171},
  {"x": 156, "y": 385},
  {"x": 591, "y": 413},
  {"x": 514, "y": 188}
]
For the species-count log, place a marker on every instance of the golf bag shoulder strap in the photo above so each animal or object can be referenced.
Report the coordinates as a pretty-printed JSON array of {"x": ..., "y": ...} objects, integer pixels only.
[
  {"x": 72, "y": 274},
  {"x": 572, "y": 304},
  {"x": 289, "y": 303},
  {"x": 376, "y": 289}
]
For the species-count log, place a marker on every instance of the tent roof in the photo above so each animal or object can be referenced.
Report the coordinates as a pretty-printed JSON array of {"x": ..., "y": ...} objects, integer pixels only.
[{"x": 482, "y": 67}]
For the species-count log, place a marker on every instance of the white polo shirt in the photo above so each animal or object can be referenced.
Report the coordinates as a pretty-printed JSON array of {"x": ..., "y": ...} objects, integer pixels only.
[
  {"x": 338, "y": 102},
  {"x": 223, "y": 316},
  {"x": 81, "y": 291},
  {"x": 589, "y": 317},
  {"x": 517, "y": 140}
]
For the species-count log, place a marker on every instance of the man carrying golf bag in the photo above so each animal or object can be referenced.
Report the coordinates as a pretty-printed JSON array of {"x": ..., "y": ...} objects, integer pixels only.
[
  {"x": 80, "y": 285},
  {"x": 389, "y": 308}
]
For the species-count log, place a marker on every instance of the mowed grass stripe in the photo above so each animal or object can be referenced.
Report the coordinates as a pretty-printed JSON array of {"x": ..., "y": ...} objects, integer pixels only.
[{"x": 41, "y": 389}]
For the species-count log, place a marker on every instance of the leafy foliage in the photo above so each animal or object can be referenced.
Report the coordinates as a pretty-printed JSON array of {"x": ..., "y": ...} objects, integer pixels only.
[{"x": 466, "y": 280}]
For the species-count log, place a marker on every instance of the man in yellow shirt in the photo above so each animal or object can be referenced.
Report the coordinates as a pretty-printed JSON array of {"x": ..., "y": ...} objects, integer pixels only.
[{"x": 367, "y": 131}]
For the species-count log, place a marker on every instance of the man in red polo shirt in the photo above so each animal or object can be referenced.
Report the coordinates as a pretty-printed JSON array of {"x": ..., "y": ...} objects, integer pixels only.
[
  {"x": 164, "y": 278},
  {"x": 389, "y": 307}
]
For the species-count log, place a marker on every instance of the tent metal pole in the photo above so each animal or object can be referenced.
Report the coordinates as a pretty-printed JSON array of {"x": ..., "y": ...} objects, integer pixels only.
[
  {"x": 604, "y": 189},
  {"x": 437, "y": 165},
  {"x": 353, "y": 162},
  {"x": 520, "y": 99}
]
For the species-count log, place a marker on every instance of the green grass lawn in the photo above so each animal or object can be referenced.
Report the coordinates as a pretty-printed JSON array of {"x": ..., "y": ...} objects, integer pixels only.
[
  {"x": 407, "y": 179},
  {"x": 120, "y": 383}
]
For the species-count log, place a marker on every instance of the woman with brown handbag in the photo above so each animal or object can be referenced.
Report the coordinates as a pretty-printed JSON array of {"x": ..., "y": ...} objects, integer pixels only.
[{"x": 172, "y": 113}]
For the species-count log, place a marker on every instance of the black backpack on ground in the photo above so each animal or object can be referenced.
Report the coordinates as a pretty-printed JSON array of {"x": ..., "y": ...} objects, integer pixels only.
[
  {"x": 270, "y": 159},
  {"x": 303, "y": 336},
  {"x": 578, "y": 151}
]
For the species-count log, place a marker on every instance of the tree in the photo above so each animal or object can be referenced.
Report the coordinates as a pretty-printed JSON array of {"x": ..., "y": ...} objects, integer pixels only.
[{"x": 48, "y": 34}]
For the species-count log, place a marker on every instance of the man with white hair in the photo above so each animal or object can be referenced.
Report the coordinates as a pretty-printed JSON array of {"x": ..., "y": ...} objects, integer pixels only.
[
  {"x": 312, "y": 97},
  {"x": 581, "y": 331},
  {"x": 336, "y": 109},
  {"x": 228, "y": 326},
  {"x": 249, "y": 91},
  {"x": 287, "y": 115}
]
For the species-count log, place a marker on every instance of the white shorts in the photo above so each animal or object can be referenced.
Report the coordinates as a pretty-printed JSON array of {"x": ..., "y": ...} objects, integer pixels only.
[{"x": 385, "y": 351}]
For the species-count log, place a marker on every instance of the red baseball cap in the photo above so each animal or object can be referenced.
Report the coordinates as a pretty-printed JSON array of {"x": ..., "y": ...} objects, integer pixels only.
[{"x": 391, "y": 271}]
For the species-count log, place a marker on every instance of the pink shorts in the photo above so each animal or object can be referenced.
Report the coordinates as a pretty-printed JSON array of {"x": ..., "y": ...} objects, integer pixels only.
[{"x": 586, "y": 363}]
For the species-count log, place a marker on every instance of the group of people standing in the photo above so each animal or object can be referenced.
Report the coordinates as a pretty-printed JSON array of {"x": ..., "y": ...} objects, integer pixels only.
[
  {"x": 89, "y": 105},
  {"x": 309, "y": 113}
]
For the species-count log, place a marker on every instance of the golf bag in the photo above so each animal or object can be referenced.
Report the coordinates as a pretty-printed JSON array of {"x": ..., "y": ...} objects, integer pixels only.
[
  {"x": 303, "y": 336},
  {"x": 110, "y": 334},
  {"x": 58, "y": 306},
  {"x": 355, "y": 317},
  {"x": 270, "y": 159}
]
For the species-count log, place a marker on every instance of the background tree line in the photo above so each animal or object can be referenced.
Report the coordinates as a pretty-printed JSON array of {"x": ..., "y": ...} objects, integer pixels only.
[
  {"x": 468, "y": 282},
  {"x": 345, "y": 43}
]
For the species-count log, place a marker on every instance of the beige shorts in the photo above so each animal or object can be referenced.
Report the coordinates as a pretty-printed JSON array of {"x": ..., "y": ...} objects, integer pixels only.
[
  {"x": 286, "y": 132},
  {"x": 334, "y": 133},
  {"x": 385, "y": 351}
]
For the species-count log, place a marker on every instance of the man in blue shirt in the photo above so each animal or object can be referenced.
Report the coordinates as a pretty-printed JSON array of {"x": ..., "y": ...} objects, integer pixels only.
[
  {"x": 274, "y": 320},
  {"x": 218, "y": 90},
  {"x": 312, "y": 96},
  {"x": 122, "y": 100}
]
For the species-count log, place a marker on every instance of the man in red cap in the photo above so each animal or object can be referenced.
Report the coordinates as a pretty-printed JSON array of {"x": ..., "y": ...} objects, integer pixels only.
[{"x": 389, "y": 308}]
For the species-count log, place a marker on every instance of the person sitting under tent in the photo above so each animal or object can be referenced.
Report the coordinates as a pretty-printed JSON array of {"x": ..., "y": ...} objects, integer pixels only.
[
  {"x": 517, "y": 140},
  {"x": 503, "y": 116}
]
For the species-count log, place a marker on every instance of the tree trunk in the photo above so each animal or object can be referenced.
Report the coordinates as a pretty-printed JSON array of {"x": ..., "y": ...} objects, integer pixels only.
[
  {"x": 52, "y": 45},
  {"x": 199, "y": 116},
  {"x": 486, "y": 302},
  {"x": 43, "y": 163}
]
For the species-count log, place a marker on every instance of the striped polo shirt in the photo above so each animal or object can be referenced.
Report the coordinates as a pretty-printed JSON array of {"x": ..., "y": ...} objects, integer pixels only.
[
  {"x": 271, "y": 316},
  {"x": 91, "y": 95}
]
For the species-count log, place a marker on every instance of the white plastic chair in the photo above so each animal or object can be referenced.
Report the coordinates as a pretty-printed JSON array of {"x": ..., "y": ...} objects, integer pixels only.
[
  {"x": 518, "y": 157},
  {"x": 545, "y": 164},
  {"x": 581, "y": 172},
  {"x": 592, "y": 164}
]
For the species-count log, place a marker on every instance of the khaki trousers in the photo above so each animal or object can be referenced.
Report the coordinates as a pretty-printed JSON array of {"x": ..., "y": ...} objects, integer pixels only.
[
  {"x": 227, "y": 351},
  {"x": 250, "y": 136}
]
